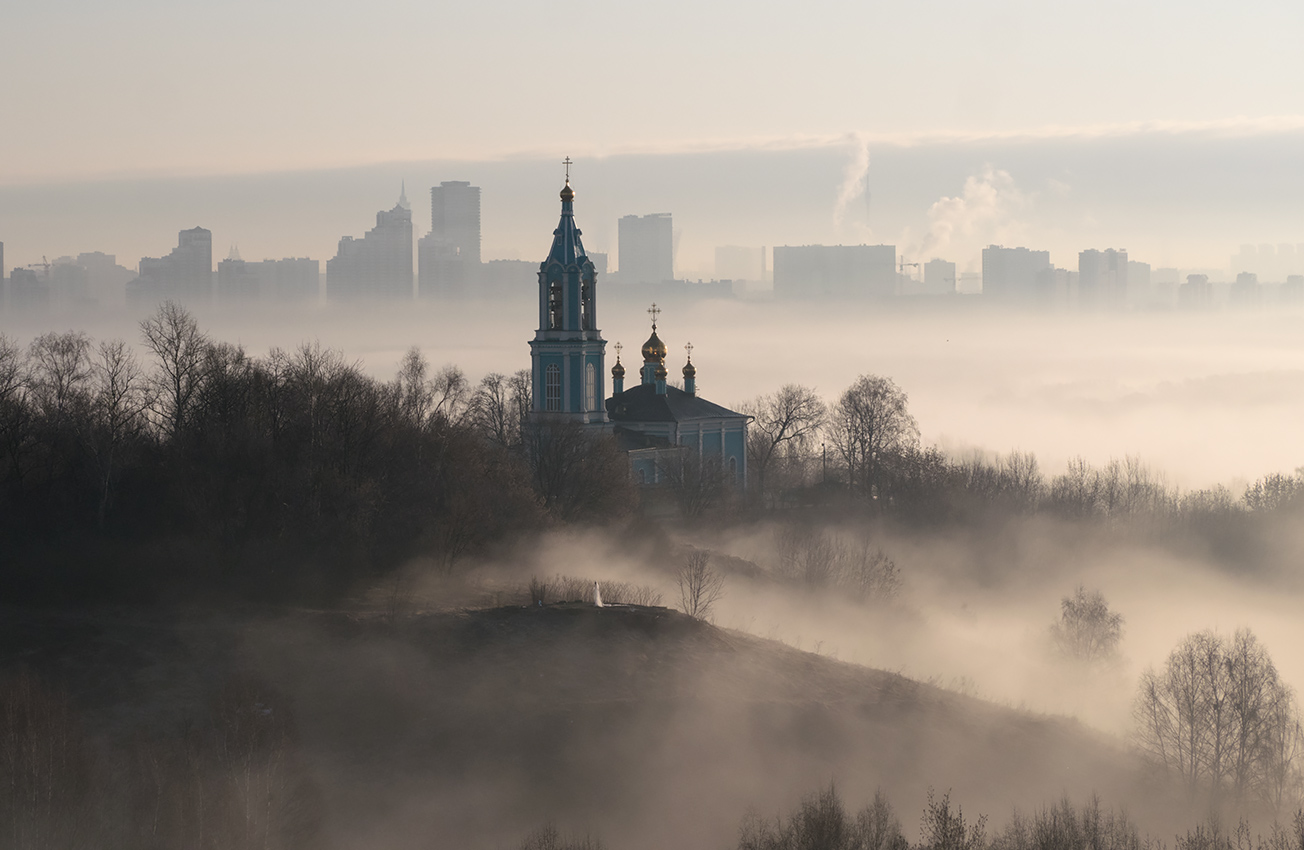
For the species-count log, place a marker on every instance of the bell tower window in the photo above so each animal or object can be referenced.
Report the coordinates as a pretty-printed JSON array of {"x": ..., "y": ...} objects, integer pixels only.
[
  {"x": 590, "y": 387},
  {"x": 554, "y": 304}
]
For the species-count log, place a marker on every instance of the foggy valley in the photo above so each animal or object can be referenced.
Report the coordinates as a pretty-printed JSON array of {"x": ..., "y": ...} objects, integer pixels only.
[{"x": 505, "y": 427}]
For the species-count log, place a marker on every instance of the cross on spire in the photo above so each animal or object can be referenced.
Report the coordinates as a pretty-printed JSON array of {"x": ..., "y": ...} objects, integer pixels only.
[
  {"x": 654, "y": 311},
  {"x": 618, "y": 348},
  {"x": 689, "y": 348},
  {"x": 568, "y": 162}
]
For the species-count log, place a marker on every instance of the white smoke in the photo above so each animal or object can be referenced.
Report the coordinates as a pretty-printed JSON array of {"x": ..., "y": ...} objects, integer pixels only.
[
  {"x": 988, "y": 212},
  {"x": 855, "y": 181}
]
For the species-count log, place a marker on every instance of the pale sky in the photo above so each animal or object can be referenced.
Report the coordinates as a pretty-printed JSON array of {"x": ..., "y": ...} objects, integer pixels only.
[{"x": 1019, "y": 99}]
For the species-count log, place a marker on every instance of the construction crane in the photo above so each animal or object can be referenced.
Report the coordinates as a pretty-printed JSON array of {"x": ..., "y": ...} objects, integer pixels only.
[
  {"x": 901, "y": 266},
  {"x": 43, "y": 264}
]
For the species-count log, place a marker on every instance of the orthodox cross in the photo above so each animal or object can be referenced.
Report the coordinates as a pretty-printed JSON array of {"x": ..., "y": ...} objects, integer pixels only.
[
  {"x": 654, "y": 311},
  {"x": 689, "y": 348},
  {"x": 568, "y": 163},
  {"x": 618, "y": 348}
]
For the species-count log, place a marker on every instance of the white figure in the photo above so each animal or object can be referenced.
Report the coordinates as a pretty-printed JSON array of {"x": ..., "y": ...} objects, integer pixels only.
[{"x": 597, "y": 595}]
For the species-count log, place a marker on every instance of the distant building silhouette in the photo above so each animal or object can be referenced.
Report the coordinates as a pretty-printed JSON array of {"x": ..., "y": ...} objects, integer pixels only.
[
  {"x": 185, "y": 275},
  {"x": 28, "y": 291},
  {"x": 1102, "y": 279},
  {"x": 449, "y": 255},
  {"x": 379, "y": 265},
  {"x": 939, "y": 277},
  {"x": 1245, "y": 292},
  {"x": 1292, "y": 291},
  {"x": 91, "y": 279},
  {"x": 647, "y": 248},
  {"x": 1010, "y": 274},
  {"x": 815, "y": 271},
  {"x": 293, "y": 279},
  {"x": 1196, "y": 293}
]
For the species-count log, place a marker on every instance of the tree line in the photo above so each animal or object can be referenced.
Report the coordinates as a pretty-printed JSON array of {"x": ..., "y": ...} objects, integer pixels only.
[
  {"x": 862, "y": 453},
  {"x": 201, "y": 466}
]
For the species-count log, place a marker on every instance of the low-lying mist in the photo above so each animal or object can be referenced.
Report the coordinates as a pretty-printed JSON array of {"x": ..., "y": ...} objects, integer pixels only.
[{"x": 1203, "y": 398}]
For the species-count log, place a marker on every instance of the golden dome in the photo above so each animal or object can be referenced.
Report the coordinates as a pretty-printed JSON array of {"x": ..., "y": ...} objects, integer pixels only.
[
  {"x": 567, "y": 193},
  {"x": 618, "y": 371},
  {"x": 660, "y": 372},
  {"x": 690, "y": 371},
  {"x": 654, "y": 350}
]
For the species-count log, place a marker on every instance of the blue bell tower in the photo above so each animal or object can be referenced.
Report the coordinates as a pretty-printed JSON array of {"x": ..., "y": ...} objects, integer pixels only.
[{"x": 567, "y": 350}]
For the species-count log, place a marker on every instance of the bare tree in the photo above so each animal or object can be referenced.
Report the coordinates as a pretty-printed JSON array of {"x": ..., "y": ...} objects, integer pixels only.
[
  {"x": 60, "y": 373},
  {"x": 700, "y": 587},
  {"x": 784, "y": 424},
  {"x": 177, "y": 343},
  {"x": 120, "y": 401},
  {"x": 416, "y": 398},
  {"x": 450, "y": 392},
  {"x": 1087, "y": 630},
  {"x": 493, "y": 410},
  {"x": 1219, "y": 718},
  {"x": 870, "y": 426},
  {"x": 697, "y": 482}
]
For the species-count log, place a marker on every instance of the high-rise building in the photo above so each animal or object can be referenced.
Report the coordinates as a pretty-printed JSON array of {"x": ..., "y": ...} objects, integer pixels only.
[
  {"x": 814, "y": 271},
  {"x": 379, "y": 265},
  {"x": 1196, "y": 293},
  {"x": 1102, "y": 279},
  {"x": 449, "y": 255},
  {"x": 291, "y": 279},
  {"x": 186, "y": 274},
  {"x": 1010, "y": 274},
  {"x": 646, "y": 247},
  {"x": 939, "y": 277}
]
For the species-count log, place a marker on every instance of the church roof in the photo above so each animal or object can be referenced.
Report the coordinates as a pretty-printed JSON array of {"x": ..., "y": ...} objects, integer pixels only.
[
  {"x": 567, "y": 248},
  {"x": 644, "y": 404}
]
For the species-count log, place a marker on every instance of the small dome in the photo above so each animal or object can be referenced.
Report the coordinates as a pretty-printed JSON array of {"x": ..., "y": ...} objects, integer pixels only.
[
  {"x": 618, "y": 371},
  {"x": 654, "y": 349},
  {"x": 567, "y": 193},
  {"x": 690, "y": 371},
  {"x": 660, "y": 372}
]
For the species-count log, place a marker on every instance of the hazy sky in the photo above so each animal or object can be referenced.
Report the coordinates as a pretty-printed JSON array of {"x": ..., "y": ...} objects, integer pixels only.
[{"x": 1017, "y": 105}]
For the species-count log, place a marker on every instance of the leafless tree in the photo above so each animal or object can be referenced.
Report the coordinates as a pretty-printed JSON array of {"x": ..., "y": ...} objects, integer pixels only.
[
  {"x": 1087, "y": 630},
  {"x": 450, "y": 393},
  {"x": 697, "y": 482},
  {"x": 173, "y": 336},
  {"x": 120, "y": 401},
  {"x": 870, "y": 426},
  {"x": 493, "y": 411},
  {"x": 60, "y": 374},
  {"x": 784, "y": 425},
  {"x": 700, "y": 586},
  {"x": 1218, "y": 718}
]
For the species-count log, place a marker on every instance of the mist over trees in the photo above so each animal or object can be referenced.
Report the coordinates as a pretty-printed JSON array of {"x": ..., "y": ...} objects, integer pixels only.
[{"x": 1218, "y": 718}]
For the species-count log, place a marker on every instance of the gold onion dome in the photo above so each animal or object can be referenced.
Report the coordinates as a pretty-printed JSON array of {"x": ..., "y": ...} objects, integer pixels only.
[
  {"x": 567, "y": 193},
  {"x": 654, "y": 349},
  {"x": 618, "y": 371},
  {"x": 690, "y": 371},
  {"x": 660, "y": 372}
]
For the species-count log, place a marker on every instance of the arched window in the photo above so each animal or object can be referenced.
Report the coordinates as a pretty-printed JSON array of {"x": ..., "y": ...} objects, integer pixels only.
[
  {"x": 642, "y": 476},
  {"x": 552, "y": 388},
  {"x": 733, "y": 466},
  {"x": 554, "y": 305},
  {"x": 590, "y": 387},
  {"x": 586, "y": 305}
]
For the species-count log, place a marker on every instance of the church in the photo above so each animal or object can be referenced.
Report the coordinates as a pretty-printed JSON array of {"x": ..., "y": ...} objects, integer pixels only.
[{"x": 659, "y": 426}]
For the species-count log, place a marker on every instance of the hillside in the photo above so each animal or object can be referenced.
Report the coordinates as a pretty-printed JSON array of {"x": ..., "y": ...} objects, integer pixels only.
[{"x": 469, "y": 728}]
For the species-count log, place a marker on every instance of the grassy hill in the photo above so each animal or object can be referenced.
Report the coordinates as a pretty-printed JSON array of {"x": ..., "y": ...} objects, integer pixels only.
[{"x": 466, "y": 729}]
